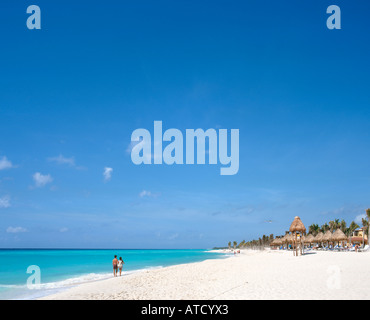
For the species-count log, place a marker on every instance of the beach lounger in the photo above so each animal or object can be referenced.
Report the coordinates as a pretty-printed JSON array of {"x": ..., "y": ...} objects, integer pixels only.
[{"x": 366, "y": 248}]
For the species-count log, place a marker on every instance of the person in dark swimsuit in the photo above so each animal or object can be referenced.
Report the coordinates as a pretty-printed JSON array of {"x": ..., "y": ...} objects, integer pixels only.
[{"x": 115, "y": 266}]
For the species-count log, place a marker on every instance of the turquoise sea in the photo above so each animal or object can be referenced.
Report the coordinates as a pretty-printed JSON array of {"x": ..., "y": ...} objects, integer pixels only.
[{"x": 61, "y": 269}]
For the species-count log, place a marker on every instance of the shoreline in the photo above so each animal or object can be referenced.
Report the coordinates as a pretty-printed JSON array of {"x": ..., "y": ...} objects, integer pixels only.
[
  {"x": 130, "y": 275},
  {"x": 251, "y": 274},
  {"x": 60, "y": 286},
  {"x": 83, "y": 266},
  {"x": 63, "y": 293},
  {"x": 100, "y": 277}
]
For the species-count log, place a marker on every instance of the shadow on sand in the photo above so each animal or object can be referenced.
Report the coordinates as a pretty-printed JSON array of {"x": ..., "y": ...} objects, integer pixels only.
[{"x": 307, "y": 253}]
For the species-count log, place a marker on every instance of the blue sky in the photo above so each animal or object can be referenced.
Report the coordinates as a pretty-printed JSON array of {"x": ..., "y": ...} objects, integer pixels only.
[{"x": 72, "y": 93}]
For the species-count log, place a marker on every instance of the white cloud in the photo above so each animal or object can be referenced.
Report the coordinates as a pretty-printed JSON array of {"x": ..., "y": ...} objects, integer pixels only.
[
  {"x": 5, "y": 163},
  {"x": 5, "y": 202},
  {"x": 359, "y": 218},
  {"x": 107, "y": 173},
  {"x": 63, "y": 160},
  {"x": 15, "y": 230},
  {"x": 173, "y": 236},
  {"x": 63, "y": 230},
  {"x": 149, "y": 194},
  {"x": 42, "y": 180},
  {"x": 145, "y": 193}
]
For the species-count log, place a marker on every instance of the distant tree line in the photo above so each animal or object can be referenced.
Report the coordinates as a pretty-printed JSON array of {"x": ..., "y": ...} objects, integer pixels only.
[{"x": 262, "y": 242}]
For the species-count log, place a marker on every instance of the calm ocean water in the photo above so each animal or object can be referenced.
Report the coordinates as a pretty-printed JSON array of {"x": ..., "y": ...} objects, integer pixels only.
[{"x": 61, "y": 269}]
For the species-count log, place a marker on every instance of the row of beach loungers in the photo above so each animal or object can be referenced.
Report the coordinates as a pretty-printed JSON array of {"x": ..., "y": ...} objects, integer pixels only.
[{"x": 336, "y": 248}]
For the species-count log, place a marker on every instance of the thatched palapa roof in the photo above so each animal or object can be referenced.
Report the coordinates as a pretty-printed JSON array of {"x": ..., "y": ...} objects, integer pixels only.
[
  {"x": 327, "y": 236},
  {"x": 309, "y": 239},
  {"x": 319, "y": 237},
  {"x": 276, "y": 242},
  {"x": 297, "y": 226},
  {"x": 339, "y": 236},
  {"x": 287, "y": 238}
]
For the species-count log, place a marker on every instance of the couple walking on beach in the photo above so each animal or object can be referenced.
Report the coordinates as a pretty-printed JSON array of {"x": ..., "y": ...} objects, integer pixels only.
[{"x": 117, "y": 265}]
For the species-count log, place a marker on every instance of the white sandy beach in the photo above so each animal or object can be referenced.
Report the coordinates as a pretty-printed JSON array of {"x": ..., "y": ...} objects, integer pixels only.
[{"x": 249, "y": 275}]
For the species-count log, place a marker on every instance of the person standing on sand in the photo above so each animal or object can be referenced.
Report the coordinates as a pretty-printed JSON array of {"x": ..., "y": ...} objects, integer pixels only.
[
  {"x": 115, "y": 266},
  {"x": 120, "y": 265}
]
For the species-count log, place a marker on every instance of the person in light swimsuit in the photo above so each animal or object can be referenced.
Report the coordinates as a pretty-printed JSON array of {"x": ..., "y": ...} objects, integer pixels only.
[{"x": 120, "y": 265}]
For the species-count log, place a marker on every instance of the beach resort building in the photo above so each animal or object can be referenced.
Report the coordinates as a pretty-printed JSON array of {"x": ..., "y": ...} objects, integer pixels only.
[{"x": 358, "y": 236}]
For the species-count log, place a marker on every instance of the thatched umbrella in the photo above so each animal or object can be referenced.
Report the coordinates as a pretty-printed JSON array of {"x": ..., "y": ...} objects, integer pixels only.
[
  {"x": 297, "y": 228},
  {"x": 285, "y": 239},
  {"x": 339, "y": 236},
  {"x": 318, "y": 238},
  {"x": 309, "y": 239},
  {"x": 276, "y": 243},
  {"x": 327, "y": 237},
  {"x": 288, "y": 239}
]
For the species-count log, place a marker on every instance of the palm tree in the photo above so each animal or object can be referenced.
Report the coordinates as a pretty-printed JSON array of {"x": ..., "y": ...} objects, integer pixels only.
[
  {"x": 353, "y": 226},
  {"x": 324, "y": 228},
  {"x": 343, "y": 226},
  {"x": 336, "y": 224},
  {"x": 311, "y": 228},
  {"x": 235, "y": 243},
  {"x": 332, "y": 225},
  {"x": 365, "y": 225},
  {"x": 229, "y": 244},
  {"x": 260, "y": 242},
  {"x": 271, "y": 238},
  {"x": 314, "y": 229},
  {"x": 264, "y": 240}
]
